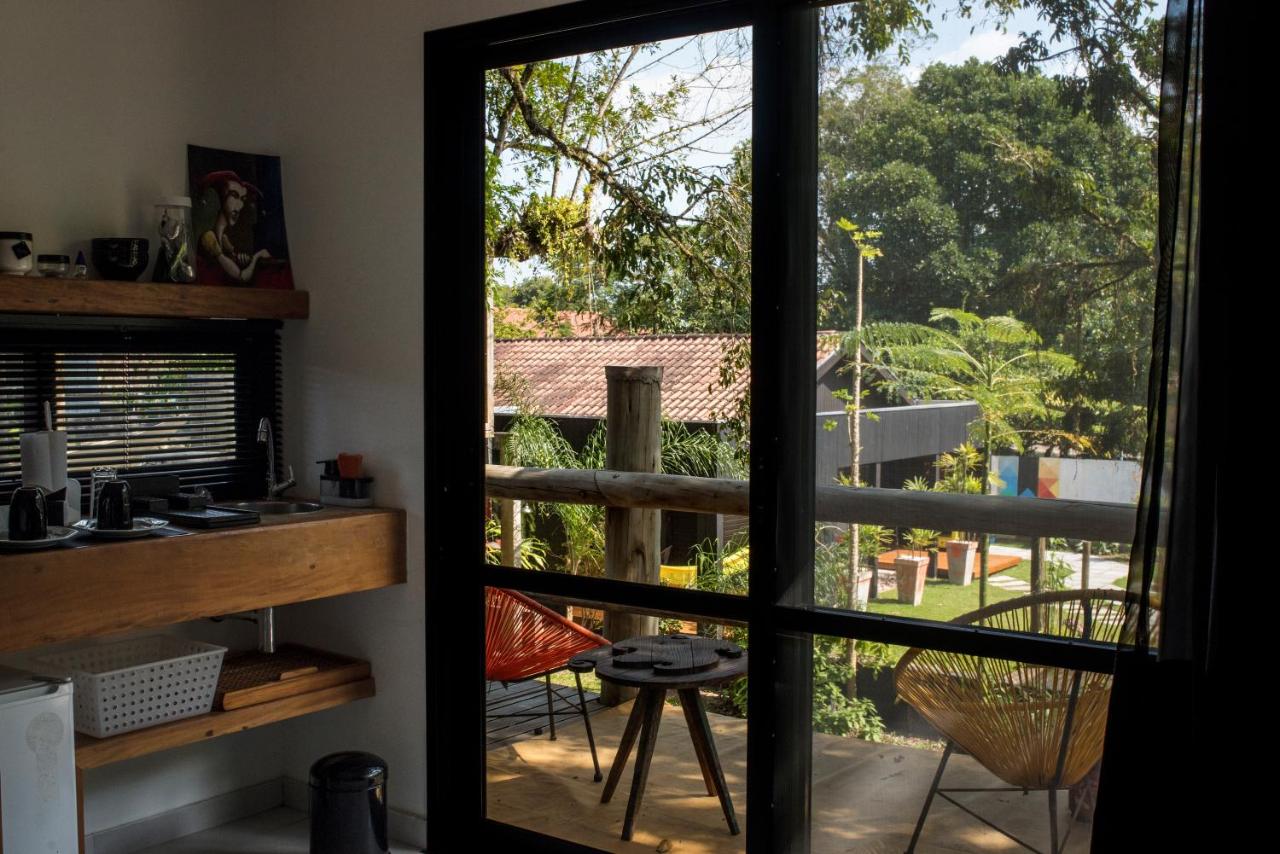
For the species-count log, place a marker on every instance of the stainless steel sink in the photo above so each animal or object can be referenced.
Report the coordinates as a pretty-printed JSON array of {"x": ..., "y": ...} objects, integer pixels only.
[{"x": 273, "y": 506}]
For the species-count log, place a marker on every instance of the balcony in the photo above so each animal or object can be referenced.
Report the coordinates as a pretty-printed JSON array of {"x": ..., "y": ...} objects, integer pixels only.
[{"x": 866, "y": 796}]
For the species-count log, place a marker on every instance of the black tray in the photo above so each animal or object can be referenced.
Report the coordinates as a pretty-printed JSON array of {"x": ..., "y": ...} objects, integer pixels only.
[{"x": 211, "y": 517}]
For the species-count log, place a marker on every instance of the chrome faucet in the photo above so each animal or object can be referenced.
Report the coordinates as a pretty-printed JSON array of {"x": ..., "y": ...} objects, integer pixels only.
[{"x": 266, "y": 437}]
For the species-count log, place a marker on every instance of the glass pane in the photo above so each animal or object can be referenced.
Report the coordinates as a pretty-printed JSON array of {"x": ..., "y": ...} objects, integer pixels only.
[
  {"x": 884, "y": 720},
  {"x": 618, "y": 229},
  {"x": 986, "y": 221},
  {"x": 544, "y": 778}
]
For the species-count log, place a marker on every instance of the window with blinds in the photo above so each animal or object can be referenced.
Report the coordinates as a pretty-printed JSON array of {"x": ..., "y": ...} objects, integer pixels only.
[{"x": 182, "y": 400}]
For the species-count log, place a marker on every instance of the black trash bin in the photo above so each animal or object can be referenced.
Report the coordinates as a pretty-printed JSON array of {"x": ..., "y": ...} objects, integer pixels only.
[{"x": 349, "y": 804}]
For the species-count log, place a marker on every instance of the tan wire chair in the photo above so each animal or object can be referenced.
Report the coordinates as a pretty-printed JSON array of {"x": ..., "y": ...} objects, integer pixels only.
[{"x": 1034, "y": 727}]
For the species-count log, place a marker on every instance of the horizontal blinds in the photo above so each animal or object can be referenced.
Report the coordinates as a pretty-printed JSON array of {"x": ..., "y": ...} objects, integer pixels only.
[{"x": 170, "y": 401}]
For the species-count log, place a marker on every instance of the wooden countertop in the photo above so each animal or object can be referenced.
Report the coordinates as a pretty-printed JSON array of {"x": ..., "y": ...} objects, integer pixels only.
[{"x": 61, "y": 594}]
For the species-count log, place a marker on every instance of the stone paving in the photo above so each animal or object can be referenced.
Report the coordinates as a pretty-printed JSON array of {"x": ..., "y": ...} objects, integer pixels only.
[{"x": 1103, "y": 572}]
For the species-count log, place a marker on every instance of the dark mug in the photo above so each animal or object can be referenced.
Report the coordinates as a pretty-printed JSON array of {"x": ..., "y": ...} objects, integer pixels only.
[
  {"x": 115, "y": 510},
  {"x": 29, "y": 514}
]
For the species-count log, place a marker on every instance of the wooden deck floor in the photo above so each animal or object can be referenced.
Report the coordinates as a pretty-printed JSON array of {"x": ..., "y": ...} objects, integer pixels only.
[
  {"x": 866, "y": 796},
  {"x": 519, "y": 710}
]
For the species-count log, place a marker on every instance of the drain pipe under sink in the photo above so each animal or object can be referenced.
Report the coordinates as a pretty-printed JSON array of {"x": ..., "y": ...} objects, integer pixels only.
[{"x": 266, "y": 619}]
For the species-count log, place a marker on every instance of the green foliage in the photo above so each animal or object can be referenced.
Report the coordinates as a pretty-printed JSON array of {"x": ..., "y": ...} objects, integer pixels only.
[
  {"x": 998, "y": 362},
  {"x": 960, "y": 471},
  {"x": 536, "y": 441},
  {"x": 1056, "y": 573},
  {"x": 533, "y": 551},
  {"x": 833, "y": 711},
  {"x": 996, "y": 190}
]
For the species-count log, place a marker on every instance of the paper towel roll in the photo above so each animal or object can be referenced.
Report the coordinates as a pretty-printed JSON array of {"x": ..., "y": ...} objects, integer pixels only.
[{"x": 44, "y": 459}]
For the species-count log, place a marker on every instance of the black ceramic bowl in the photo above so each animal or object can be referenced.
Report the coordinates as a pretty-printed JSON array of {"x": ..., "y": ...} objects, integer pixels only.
[{"x": 121, "y": 259}]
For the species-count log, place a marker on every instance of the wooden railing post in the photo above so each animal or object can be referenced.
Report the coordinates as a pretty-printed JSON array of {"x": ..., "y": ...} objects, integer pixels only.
[
  {"x": 1086, "y": 550},
  {"x": 1037, "y": 577},
  {"x": 509, "y": 516},
  {"x": 633, "y": 442}
]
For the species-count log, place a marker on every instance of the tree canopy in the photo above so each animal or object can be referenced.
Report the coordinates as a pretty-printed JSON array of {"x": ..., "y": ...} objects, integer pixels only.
[
  {"x": 1023, "y": 186},
  {"x": 993, "y": 193}
]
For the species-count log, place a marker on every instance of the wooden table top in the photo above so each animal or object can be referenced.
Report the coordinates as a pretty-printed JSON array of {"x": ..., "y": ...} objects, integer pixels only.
[{"x": 670, "y": 661}]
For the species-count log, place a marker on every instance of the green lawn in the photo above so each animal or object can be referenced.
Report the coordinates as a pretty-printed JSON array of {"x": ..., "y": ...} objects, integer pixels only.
[{"x": 942, "y": 601}]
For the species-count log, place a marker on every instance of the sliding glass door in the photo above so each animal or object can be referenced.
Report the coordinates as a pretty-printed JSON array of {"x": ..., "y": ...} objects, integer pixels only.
[{"x": 808, "y": 336}]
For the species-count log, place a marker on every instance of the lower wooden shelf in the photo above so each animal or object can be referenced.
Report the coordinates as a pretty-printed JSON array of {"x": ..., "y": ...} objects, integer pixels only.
[{"x": 96, "y": 752}]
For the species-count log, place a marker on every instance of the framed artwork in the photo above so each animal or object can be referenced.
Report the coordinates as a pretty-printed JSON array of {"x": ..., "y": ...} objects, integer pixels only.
[{"x": 237, "y": 211}]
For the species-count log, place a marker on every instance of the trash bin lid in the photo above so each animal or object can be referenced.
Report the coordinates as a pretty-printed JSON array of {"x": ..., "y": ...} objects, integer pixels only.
[{"x": 349, "y": 772}]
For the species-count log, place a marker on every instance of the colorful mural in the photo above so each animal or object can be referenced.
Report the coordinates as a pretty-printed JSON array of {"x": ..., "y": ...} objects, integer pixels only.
[{"x": 1068, "y": 477}]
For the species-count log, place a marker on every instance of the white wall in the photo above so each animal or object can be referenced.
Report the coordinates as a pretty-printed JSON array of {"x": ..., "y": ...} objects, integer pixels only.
[
  {"x": 99, "y": 100},
  {"x": 97, "y": 103},
  {"x": 351, "y": 133}
]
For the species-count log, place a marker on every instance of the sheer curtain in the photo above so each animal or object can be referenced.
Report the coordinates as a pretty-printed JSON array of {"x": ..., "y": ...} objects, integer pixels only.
[{"x": 1159, "y": 731}]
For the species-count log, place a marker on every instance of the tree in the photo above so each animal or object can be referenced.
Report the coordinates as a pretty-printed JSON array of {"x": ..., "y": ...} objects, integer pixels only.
[
  {"x": 864, "y": 247},
  {"x": 997, "y": 193},
  {"x": 998, "y": 362}
]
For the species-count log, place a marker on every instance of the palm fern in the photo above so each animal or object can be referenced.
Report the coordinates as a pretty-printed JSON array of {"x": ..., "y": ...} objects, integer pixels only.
[{"x": 998, "y": 362}]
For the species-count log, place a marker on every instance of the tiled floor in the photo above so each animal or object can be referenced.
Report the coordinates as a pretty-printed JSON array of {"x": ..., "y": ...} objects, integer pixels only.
[{"x": 277, "y": 831}]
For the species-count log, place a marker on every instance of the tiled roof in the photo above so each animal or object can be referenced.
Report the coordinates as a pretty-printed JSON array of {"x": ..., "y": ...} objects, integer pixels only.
[{"x": 565, "y": 376}]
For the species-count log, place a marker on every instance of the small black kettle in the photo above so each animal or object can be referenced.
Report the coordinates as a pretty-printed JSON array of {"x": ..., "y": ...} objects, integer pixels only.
[{"x": 29, "y": 514}]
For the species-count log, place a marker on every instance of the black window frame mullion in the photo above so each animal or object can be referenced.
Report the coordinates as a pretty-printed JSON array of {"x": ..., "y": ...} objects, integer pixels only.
[
  {"x": 783, "y": 311},
  {"x": 454, "y": 305}
]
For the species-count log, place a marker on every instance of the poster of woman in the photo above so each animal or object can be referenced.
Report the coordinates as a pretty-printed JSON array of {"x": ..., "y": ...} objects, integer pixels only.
[{"x": 237, "y": 209}]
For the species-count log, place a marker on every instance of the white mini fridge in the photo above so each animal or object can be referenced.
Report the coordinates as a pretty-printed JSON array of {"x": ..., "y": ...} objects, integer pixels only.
[{"x": 37, "y": 765}]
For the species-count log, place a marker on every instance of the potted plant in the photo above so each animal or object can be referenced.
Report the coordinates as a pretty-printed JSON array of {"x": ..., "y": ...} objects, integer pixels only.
[
  {"x": 960, "y": 560},
  {"x": 912, "y": 567}
]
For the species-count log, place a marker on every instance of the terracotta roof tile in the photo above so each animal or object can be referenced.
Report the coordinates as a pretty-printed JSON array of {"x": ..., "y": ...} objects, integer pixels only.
[{"x": 565, "y": 376}]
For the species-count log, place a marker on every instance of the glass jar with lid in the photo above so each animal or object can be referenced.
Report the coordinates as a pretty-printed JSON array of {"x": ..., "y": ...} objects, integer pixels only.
[{"x": 55, "y": 266}]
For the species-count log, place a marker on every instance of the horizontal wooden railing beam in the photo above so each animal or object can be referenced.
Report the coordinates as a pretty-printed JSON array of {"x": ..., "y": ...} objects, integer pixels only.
[{"x": 990, "y": 514}]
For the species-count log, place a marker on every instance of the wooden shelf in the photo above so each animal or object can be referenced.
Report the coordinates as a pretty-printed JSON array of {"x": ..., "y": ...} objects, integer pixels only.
[
  {"x": 95, "y": 298},
  {"x": 115, "y": 586},
  {"x": 96, "y": 752}
]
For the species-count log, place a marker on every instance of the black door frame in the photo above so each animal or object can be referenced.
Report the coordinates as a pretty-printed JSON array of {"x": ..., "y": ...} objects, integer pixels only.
[{"x": 779, "y": 608}]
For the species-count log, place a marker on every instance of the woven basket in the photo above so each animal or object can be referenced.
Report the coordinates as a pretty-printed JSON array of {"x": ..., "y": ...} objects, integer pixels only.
[{"x": 132, "y": 684}]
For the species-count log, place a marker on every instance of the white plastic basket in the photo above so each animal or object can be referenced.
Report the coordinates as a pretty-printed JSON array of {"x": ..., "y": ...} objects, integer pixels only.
[{"x": 128, "y": 685}]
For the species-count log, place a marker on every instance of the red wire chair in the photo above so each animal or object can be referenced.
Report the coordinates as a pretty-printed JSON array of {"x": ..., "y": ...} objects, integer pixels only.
[{"x": 526, "y": 640}]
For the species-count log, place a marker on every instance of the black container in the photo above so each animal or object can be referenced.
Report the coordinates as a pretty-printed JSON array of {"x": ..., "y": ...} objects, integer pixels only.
[
  {"x": 115, "y": 506},
  {"x": 121, "y": 259},
  {"x": 28, "y": 514},
  {"x": 349, "y": 804}
]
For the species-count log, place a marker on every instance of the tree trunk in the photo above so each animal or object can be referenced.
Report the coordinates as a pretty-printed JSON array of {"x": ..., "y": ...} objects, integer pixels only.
[
  {"x": 984, "y": 540},
  {"x": 855, "y": 478},
  {"x": 633, "y": 442}
]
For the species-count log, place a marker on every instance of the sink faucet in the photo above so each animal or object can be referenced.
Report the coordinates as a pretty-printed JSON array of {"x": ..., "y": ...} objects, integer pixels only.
[{"x": 266, "y": 437}]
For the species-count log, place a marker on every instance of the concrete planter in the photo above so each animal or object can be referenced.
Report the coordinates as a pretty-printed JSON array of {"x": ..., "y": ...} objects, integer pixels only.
[
  {"x": 960, "y": 560},
  {"x": 911, "y": 573},
  {"x": 863, "y": 593}
]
